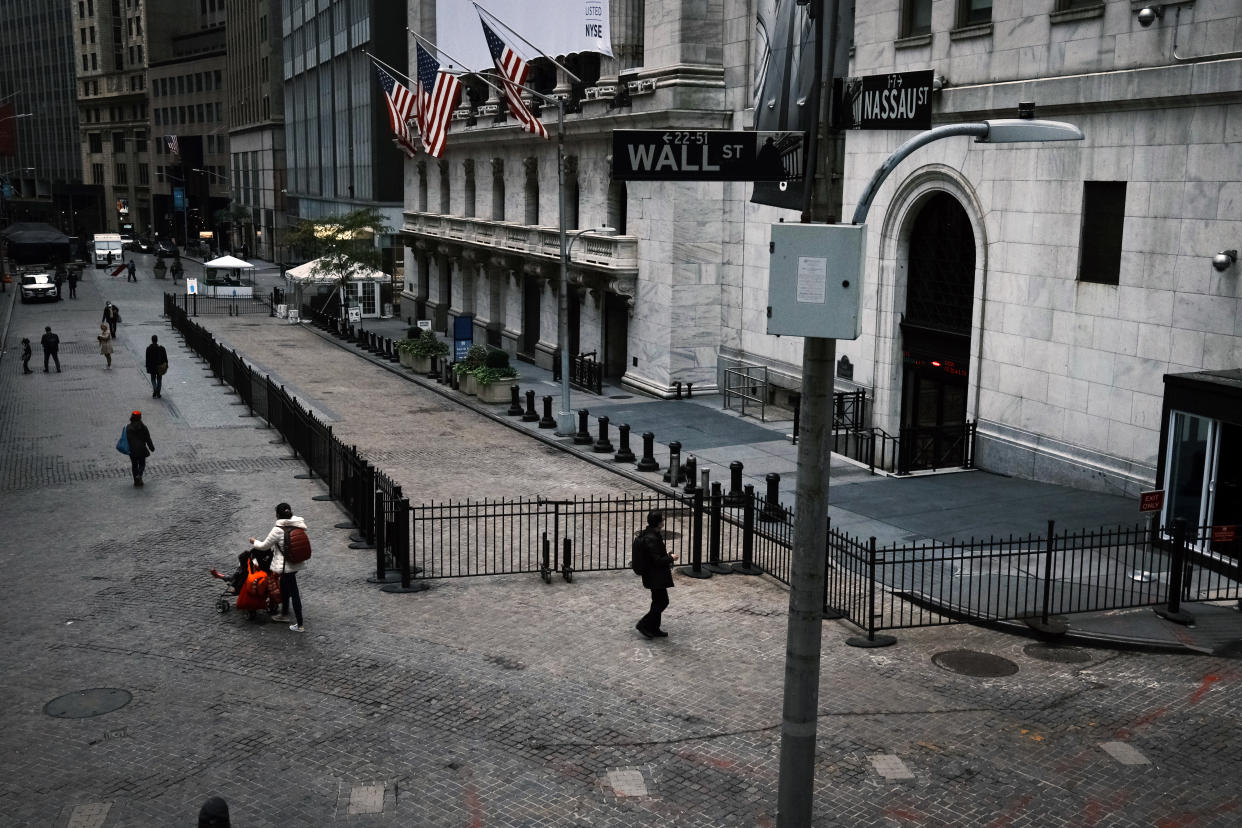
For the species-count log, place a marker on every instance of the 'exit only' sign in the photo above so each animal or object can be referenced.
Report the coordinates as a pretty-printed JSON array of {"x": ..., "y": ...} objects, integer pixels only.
[{"x": 1152, "y": 501}]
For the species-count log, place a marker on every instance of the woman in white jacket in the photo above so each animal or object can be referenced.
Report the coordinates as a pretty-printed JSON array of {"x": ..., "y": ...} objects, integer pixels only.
[{"x": 288, "y": 572}]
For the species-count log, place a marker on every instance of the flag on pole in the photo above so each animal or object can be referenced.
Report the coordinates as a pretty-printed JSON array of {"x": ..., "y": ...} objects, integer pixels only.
[
  {"x": 513, "y": 71},
  {"x": 438, "y": 93},
  {"x": 170, "y": 141},
  {"x": 400, "y": 110}
]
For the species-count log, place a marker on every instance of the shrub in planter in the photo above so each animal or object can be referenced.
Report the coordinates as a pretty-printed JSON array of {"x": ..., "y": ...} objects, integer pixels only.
[
  {"x": 417, "y": 352},
  {"x": 493, "y": 383}
]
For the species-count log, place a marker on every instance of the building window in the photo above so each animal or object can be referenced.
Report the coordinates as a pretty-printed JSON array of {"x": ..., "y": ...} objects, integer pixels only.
[
  {"x": 974, "y": 12},
  {"x": 1067, "y": 5},
  {"x": 95, "y": 141},
  {"x": 140, "y": 54},
  {"x": 140, "y": 142},
  {"x": 97, "y": 176},
  {"x": 1103, "y": 219},
  {"x": 122, "y": 174},
  {"x": 915, "y": 17},
  {"x": 118, "y": 143},
  {"x": 144, "y": 174}
]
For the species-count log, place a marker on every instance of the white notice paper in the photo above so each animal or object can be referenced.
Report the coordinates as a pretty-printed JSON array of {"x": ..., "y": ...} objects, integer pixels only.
[{"x": 812, "y": 279}]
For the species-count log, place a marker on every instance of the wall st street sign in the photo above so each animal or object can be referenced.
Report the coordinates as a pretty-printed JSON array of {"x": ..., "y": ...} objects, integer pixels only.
[
  {"x": 706, "y": 155},
  {"x": 901, "y": 100}
]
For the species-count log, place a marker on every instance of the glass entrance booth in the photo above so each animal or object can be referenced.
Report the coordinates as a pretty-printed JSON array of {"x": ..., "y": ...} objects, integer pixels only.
[
  {"x": 1200, "y": 461},
  {"x": 228, "y": 277}
]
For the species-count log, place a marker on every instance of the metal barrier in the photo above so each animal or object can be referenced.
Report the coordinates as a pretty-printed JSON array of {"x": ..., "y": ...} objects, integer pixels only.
[
  {"x": 585, "y": 373},
  {"x": 747, "y": 384},
  {"x": 199, "y": 305}
]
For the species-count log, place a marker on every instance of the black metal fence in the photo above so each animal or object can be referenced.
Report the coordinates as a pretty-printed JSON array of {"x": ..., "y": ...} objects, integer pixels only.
[
  {"x": 876, "y": 588},
  {"x": 585, "y": 372},
  {"x": 200, "y": 305}
]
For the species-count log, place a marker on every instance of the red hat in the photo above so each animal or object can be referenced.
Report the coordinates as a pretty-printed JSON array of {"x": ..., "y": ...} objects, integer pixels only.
[{"x": 135, "y": 413}]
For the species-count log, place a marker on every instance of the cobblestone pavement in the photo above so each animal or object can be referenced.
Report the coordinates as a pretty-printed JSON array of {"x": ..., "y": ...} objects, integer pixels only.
[{"x": 498, "y": 701}]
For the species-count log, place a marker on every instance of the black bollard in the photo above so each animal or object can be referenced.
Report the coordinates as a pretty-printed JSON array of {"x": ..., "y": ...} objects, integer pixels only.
[
  {"x": 567, "y": 560},
  {"x": 515, "y": 403},
  {"x": 696, "y": 568},
  {"x": 530, "y": 416},
  {"x": 434, "y": 371},
  {"x": 677, "y": 385},
  {"x": 603, "y": 445},
  {"x": 547, "y": 421},
  {"x": 583, "y": 437},
  {"x": 747, "y": 566},
  {"x": 674, "y": 474},
  {"x": 689, "y": 389},
  {"x": 692, "y": 474},
  {"x": 648, "y": 461},
  {"x": 735, "y": 495},
  {"x": 624, "y": 455},
  {"x": 772, "y": 511},
  {"x": 715, "y": 510}
]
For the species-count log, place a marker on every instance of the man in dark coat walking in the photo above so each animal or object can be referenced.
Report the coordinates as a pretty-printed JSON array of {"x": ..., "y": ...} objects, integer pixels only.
[
  {"x": 657, "y": 574},
  {"x": 140, "y": 445},
  {"x": 51, "y": 348},
  {"x": 157, "y": 364}
]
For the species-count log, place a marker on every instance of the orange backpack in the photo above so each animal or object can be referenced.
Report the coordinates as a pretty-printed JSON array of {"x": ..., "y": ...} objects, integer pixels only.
[{"x": 297, "y": 545}]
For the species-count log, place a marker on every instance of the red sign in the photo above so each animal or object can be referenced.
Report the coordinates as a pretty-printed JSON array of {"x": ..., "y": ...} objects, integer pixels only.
[
  {"x": 1224, "y": 534},
  {"x": 1151, "y": 501}
]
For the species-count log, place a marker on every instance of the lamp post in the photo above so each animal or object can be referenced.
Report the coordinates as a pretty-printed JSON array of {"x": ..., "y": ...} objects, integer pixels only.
[
  {"x": 802, "y": 654},
  {"x": 565, "y": 422}
]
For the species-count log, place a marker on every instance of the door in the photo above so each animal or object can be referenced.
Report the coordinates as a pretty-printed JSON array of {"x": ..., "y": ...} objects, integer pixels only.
[
  {"x": 531, "y": 297},
  {"x": 616, "y": 336},
  {"x": 935, "y": 335}
]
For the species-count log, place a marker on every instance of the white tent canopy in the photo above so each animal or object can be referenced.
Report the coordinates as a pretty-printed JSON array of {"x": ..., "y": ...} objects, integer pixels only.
[
  {"x": 304, "y": 273},
  {"x": 229, "y": 262},
  {"x": 364, "y": 287}
]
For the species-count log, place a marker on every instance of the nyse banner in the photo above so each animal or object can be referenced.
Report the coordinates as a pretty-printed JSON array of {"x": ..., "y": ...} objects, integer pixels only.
[{"x": 901, "y": 100}]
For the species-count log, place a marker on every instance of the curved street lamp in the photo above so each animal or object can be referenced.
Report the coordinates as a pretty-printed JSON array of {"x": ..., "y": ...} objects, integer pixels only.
[
  {"x": 799, "y": 718},
  {"x": 565, "y": 422}
]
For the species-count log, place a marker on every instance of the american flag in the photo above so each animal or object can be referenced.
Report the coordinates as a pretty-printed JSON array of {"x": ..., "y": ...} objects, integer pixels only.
[
  {"x": 438, "y": 93},
  {"x": 400, "y": 110},
  {"x": 170, "y": 141},
  {"x": 513, "y": 71}
]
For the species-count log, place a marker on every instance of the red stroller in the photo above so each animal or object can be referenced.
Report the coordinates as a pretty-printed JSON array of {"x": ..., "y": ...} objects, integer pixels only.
[{"x": 254, "y": 587}]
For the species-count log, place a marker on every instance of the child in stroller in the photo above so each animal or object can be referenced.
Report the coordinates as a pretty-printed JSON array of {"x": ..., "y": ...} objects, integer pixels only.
[{"x": 255, "y": 587}]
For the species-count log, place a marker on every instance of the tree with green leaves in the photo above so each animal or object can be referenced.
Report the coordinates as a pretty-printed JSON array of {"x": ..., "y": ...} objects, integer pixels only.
[{"x": 342, "y": 247}]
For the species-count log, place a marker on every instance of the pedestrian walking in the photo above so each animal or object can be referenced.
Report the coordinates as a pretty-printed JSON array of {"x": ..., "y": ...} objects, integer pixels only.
[
  {"x": 111, "y": 315},
  {"x": 277, "y": 541},
  {"x": 26, "y": 356},
  {"x": 214, "y": 814},
  {"x": 157, "y": 364},
  {"x": 140, "y": 445},
  {"x": 51, "y": 348},
  {"x": 653, "y": 561},
  {"x": 105, "y": 342},
  {"x": 132, "y": 271},
  {"x": 176, "y": 269},
  {"x": 73, "y": 282},
  {"x": 110, "y": 260}
]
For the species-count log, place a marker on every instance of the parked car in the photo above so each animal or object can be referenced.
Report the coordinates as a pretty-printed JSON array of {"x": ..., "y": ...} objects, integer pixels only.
[
  {"x": 164, "y": 247},
  {"x": 39, "y": 286},
  {"x": 140, "y": 244}
]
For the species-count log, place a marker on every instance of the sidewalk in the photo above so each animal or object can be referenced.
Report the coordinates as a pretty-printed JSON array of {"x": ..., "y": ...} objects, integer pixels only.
[{"x": 895, "y": 510}]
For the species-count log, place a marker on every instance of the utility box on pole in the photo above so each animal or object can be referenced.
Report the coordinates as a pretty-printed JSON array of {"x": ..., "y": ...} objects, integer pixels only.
[{"x": 815, "y": 280}]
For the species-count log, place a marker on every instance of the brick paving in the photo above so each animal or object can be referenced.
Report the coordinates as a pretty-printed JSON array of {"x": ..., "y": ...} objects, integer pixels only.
[{"x": 497, "y": 701}]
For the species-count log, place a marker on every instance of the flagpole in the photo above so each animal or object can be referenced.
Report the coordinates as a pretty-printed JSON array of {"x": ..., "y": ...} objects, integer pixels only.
[
  {"x": 394, "y": 71},
  {"x": 530, "y": 45}
]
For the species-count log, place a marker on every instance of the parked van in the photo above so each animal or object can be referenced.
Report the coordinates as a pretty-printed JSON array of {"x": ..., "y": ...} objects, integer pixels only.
[{"x": 104, "y": 244}]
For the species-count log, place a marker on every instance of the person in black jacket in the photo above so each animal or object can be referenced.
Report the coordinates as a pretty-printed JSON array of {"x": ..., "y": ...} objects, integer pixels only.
[
  {"x": 111, "y": 315},
  {"x": 140, "y": 445},
  {"x": 657, "y": 575},
  {"x": 157, "y": 364},
  {"x": 51, "y": 348}
]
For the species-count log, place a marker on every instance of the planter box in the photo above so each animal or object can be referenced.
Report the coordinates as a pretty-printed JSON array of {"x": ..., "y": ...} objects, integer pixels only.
[
  {"x": 496, "y": 392},
  {"x": 407, "y": 359},
  {"x": 421, "y": 365},
  {"x": 467, "y": 384}
]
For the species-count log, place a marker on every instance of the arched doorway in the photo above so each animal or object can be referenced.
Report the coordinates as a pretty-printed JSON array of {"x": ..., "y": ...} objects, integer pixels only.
[{"x": 935, "y": 336}]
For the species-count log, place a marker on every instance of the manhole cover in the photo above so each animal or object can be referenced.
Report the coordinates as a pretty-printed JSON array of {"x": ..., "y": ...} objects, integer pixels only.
[
  {"x": 621, "y": 397},
  {"x": 86, "y": 703},
  {"x": 971, "y": 663},
  {"x": 1059, "y": 654}
]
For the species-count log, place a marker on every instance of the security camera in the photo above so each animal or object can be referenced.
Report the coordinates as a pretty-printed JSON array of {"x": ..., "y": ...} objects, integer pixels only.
[
  {"x": 1149, "y": 15},
  {"x": 1223, "y": 260}
]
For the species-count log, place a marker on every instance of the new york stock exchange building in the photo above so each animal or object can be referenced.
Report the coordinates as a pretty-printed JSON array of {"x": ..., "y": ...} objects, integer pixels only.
[{"x": 1066, "y": 311}]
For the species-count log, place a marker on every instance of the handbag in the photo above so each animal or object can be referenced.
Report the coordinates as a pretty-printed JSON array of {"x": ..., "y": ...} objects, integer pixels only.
[
  {"x": 122, "y": 445},
  {"x": 162, "y": 368}
]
